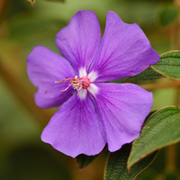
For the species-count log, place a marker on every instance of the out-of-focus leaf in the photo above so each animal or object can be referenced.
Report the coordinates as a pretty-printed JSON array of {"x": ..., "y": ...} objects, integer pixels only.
[
  {"x": 116, "y": 168},
  {"x": 161, "y": 129},
  {"x": 171, "y": 176},
  {"x": 33, "y": 163},
  {"x": 83, "y": 160},
  {"x": 169, "y": 64},
  {"x": 168, "y": 15},
  {"x": 31, "y": 31},
  {"x": 27, "y": 28},
  {"x": 148, "y": 75},
  {"x": 144, "y": 13}
]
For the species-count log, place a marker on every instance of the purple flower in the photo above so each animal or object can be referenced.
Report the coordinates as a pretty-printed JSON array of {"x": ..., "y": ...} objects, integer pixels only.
[{"x": 92, "y": 112}]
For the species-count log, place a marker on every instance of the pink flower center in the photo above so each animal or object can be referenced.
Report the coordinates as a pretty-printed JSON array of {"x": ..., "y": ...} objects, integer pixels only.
[
  {"x": 78, "y": 83},
  {"x": 84, "y": 81}
]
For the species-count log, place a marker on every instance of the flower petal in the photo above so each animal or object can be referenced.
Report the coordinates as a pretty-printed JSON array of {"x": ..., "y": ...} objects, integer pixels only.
[
  {"x": 124, "y": 51},
  {"x": 122, "y": 109},
  {"x": 79, "y": 41},
  {"x": 44, "y": 69},
  {"x": 74, "y": 128}
]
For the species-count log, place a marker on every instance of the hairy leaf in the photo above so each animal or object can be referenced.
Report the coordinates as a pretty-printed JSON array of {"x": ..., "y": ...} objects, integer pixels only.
[
  {"x": 169, "y": 64},
  {"x": 148, "y": 75},
  {"x": 161, "y": 129},
  {"x": 116, "y": 168}
]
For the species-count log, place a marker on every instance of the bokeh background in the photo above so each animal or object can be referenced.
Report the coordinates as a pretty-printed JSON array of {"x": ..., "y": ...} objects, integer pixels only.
[{"x": 22, "y": 154}]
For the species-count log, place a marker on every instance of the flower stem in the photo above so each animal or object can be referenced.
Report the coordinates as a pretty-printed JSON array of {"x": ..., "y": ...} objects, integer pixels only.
[
  {"x": 171, "y": 151},
  {"x": 2, "y": 6},
  {"x": 161, "y": 85}
]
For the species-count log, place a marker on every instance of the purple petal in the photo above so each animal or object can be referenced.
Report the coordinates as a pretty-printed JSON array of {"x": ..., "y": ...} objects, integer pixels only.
[
  {"x": 78, "y": 42},
  {"x": 122, "y": 109},
  {"x": 44, "y": 68},
  {"x": 124, "y": 51},
  {"x": 74, "y": 128}
]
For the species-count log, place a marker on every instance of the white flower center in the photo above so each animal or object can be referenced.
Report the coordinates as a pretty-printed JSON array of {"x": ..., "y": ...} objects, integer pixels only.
[{"x": 82, "y": 84}]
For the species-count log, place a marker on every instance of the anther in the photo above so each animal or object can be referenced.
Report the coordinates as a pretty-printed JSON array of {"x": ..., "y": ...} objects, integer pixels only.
[{"x": 78, "y": 83}]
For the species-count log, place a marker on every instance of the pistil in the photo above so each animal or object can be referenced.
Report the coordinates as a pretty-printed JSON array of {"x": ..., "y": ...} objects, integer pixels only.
[{"x": 78, "y": 83}]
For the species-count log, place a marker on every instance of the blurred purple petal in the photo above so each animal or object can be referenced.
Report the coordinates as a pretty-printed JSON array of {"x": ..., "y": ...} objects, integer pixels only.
[
  {"x": 124, "y": 51},
  {"x": 74, "y": 129},
  {"x": 122, "y": 109},
  {"x": 44, "y": 68}
]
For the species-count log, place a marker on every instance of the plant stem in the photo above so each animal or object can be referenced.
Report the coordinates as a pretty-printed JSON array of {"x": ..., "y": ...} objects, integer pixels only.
[
  {"x": 150, "y": 87},
  {"x": 171, "y": 151},
  {"x": 2, "y": 5}
]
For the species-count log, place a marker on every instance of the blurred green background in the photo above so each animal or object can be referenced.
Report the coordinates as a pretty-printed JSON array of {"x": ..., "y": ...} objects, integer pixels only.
[{"x": 22, "y": 154}]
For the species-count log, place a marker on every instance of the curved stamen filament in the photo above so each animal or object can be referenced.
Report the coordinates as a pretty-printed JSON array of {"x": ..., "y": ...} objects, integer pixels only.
[
  {"x": 63, "y": 80},
  {"x": 78, "y": 83}
]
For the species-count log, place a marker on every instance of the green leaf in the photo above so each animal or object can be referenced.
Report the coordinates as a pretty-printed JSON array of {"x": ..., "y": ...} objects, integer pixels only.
[
  {"x": 83, "y": 160},
  {"x": 161, "y": 129},
  {"x": 168, "y": 15},
  {"x": 169, "y": 64},
  {"x": 171, "y": 176},
  {"x": 55, "y": 0},
  {"x": 116, "y": 168},
  {"x": 148, "y": 75}
]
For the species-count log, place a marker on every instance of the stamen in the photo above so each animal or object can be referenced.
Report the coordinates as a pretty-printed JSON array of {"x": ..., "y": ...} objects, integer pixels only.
[
  {"x": 67, "y": 88},
  {"x": 63, "y": 80},
  {"x": 78, "y": 83}
]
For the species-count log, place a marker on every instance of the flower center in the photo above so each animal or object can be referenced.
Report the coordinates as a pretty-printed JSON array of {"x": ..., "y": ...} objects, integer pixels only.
[{"x": 78, "y": 83}]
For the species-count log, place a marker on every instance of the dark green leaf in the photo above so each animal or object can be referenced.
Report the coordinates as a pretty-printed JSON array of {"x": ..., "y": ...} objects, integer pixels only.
[
  {"x": 161, "y": 129},
  {"x": 33, "y": 163},
  {"x": 116, "y": 168},
  {"x": 168, "y": 15},
  {"x": 169, "y": 64},
  {"x": 84, "y": 160},
  {"x": 148, "y": 75},
  {"x": 171, "y": 176}
]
